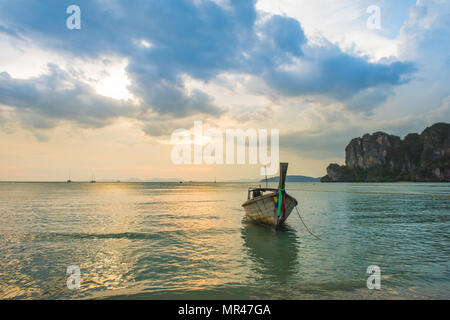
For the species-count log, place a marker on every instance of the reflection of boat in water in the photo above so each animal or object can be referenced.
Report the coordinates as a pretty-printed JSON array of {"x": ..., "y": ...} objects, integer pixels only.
[
  {"x": 270, "y": 206},
  {"x": 275, "y": 253}
]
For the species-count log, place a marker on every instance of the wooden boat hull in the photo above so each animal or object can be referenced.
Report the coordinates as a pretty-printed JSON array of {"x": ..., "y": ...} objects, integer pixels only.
[{"x": 264, "y": 209}]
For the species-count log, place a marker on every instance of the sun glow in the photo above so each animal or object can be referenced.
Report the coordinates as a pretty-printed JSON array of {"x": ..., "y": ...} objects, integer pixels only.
[{"x": 115, "y": 85}]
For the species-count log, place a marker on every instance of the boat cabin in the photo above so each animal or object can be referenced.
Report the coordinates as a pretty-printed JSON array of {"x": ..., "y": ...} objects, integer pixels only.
[{"x": 259, "y": 192}]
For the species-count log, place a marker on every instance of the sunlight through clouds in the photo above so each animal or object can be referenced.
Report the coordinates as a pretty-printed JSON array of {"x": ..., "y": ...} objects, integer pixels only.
[
  {"x": 115, "y": 85},
  {"x": 311, "y": 68}
]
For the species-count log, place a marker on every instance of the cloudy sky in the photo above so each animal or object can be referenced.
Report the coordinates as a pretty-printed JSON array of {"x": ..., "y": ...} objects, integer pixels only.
[{"x": 105, "y": 99}]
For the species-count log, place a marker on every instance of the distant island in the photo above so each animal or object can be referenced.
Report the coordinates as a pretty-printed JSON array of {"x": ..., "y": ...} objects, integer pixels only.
[
  {"x": 293, "y": 179},
  {"x": 381, "y": 157}
]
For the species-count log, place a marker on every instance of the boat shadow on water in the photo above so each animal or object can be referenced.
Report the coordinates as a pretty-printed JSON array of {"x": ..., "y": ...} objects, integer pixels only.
[{"x": 273, "y": 253}]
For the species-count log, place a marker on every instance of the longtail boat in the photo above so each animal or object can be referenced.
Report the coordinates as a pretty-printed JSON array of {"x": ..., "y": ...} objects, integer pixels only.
[{"x": 270, "y": 206}]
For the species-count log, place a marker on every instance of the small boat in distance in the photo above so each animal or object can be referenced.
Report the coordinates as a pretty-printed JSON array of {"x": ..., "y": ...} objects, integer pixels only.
[
  {"x": 68, "y": 180},
  {"x": 270, "y": 206},
  {"x": 93, "y": 180}
]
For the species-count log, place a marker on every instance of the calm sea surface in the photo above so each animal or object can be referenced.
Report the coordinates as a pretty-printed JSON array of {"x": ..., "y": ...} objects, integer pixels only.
[{"x": 190, "y": 241}]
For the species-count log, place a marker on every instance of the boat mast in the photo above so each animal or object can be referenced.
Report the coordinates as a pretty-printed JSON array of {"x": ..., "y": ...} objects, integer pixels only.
[
  {"x": 265, "y": 169},
  {"x": 283, "y": 171}
]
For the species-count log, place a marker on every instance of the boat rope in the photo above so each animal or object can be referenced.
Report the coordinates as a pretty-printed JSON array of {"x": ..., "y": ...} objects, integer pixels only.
[{"x": 305, "y": 224}]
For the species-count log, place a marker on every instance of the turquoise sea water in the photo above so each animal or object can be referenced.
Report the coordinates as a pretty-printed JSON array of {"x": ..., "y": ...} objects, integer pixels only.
[{"x": 190, "y": 241}]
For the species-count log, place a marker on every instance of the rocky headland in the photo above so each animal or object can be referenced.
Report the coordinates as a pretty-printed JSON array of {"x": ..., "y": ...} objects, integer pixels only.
[{"x": 381, "y": 157}]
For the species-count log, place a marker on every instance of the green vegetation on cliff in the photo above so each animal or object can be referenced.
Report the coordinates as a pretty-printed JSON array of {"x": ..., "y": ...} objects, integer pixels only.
[{"x": 386, "y": 158}]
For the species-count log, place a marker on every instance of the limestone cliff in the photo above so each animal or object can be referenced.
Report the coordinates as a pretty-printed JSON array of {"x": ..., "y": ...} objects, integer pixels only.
[{"x": 384, "y": 157}]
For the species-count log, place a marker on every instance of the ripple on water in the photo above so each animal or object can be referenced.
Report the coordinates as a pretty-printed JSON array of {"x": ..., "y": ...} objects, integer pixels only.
[{"x": 166, "y": 241}]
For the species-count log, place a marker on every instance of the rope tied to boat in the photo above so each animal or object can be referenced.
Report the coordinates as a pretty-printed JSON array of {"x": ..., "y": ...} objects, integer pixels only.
[{"x": 305, "y": 224}]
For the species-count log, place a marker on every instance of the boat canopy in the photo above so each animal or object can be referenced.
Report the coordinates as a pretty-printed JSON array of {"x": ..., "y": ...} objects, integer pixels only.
[{"x": 258, "y": 192}]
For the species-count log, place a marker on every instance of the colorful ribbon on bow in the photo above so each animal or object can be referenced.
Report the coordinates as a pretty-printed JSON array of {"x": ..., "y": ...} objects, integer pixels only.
[{"x": 281, "y": 204}]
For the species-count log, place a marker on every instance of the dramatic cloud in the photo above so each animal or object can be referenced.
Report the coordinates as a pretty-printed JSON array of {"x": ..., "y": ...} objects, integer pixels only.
[
  {"x": 337, "y": 75},
  {"x": 286, "y": 34},
  {"x": 165, "y": 40},
  {"x": 137, "y": 70},
  {"x": 59, "y": 96}
]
